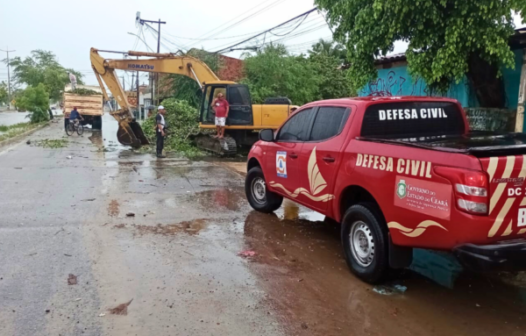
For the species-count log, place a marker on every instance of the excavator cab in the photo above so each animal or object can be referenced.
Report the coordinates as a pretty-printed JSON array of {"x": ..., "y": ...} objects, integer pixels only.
[{"x": 238, "y": 97}]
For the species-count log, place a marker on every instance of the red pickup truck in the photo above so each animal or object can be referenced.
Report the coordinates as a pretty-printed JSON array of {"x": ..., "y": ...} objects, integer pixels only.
[{"x": 398, "y": 173}]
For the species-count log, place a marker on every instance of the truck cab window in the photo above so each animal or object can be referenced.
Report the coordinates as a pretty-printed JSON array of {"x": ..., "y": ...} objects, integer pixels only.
[
  {"x": 297, "y": 127},
  {"x": 329, "y": 122}
]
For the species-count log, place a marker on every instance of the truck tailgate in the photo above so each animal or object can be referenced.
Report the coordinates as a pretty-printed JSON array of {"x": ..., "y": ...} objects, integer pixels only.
[
  {"x": 86, "y": 105},
  {"x": 507, "y": 206}
]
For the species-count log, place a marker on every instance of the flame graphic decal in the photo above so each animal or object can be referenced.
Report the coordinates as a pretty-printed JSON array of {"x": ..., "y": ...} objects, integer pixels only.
[
  {"x": 416, "y": 232},
  {"x": 316, "y": 183}
]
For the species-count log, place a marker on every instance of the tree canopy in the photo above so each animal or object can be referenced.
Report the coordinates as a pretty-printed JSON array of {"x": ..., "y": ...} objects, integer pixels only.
[
  {"x": 443, "y": 35},
  {"x": 3, "y": 93},
  {"x": 274, "y": 72},
  {"x": 43, "y": 67},
  {"x": 35, "y": 99}
]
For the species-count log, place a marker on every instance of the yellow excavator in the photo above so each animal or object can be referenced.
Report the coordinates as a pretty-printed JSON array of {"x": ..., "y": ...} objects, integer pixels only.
[{"x": 244, "y": 119}]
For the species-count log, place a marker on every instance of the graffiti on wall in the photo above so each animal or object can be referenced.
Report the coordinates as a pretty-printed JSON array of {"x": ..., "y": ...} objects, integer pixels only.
[
  {"x": 394, "y": 84},
  {"x": 398, "y": 82}
]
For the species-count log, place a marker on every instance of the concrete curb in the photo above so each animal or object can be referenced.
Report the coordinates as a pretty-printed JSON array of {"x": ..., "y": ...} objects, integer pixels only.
[{"x": 21, "y": 136}]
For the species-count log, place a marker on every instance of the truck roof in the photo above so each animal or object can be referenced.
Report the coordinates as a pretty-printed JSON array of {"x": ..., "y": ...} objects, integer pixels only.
[{"x": 369, "y": 100}]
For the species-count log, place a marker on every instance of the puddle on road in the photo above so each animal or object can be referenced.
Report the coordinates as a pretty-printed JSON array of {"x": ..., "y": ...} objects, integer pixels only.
[
  {"x": 192, "y": 227},
  {"x": 300, "y": 263},
  {"x": 219, "y": 199}
]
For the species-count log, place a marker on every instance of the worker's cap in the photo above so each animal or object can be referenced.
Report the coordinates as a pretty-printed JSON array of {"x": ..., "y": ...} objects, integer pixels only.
[{"x": 160, "y": 107}]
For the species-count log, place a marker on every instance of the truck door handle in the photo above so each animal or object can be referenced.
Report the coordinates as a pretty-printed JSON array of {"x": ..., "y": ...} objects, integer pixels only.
[
  {"x": 329, "y": 159},
  {"x": 293, "y": 155}
]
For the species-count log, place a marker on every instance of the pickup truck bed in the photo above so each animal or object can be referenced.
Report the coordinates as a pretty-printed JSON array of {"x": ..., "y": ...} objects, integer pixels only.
[{"x": 479, "y": 144}]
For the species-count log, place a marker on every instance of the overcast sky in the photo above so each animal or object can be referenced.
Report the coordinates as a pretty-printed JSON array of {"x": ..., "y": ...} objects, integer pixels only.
[{"x": 71, "y": 28}]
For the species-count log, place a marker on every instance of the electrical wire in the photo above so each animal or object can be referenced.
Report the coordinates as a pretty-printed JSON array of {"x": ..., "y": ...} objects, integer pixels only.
[
  {"x": 286, "y": 38},
  {"x": 266, "y": 31},
  {"x": 293, "y": 29},
  {"x": 309, "y": 21},
  {"x": 162, "y": 37},
  {"x": 241, "y": 20},
  {"x": 202, "y": 37}
]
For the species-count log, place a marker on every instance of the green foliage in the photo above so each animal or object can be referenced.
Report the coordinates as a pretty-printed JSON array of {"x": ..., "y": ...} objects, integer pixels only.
[
  {"x": 327, "y": 59},
  {"x": 185, "y": 88},
  {"x": 17, "y": 129},
  {"x": 36, "y": 101},
  {"x": 273, "y": 72},
  {"x": 43, "y": 67},
  {"x": 51, "y": 143},
  {"x": 84, "y": 92},
  {"x": 182, "y": 121},
  {"x": 442, "y": 34},
  {"x": 3, "y": 93}
]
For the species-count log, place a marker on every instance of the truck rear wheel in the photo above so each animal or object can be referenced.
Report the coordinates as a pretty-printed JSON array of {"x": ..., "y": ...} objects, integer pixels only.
[
  {"x": 258, "y": 195},
  {"x": 365, "y": 242}
]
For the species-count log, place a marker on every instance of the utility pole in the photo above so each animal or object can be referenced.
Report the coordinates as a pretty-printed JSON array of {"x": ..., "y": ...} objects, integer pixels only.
[
  {"x": 137, "y": 87},
  {"x": 8, "y": 76},
  {"x": 138, "y": 20}
]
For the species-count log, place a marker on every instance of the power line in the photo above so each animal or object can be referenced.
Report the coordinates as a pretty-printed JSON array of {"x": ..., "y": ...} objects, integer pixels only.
[
  {"x": 268, "y": 30},
  {"x": 250, "y": 16},
  {"x": 311, "y": 29},
  {"x": 201, "y": 37},
  {"x": 307, "y": 21}
]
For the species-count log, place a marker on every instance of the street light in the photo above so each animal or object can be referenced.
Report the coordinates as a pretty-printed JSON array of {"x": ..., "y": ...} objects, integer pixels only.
[{"x": 143, "y": 41}]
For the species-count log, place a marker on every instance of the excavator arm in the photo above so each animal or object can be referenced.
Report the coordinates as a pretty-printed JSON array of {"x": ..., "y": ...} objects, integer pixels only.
[{"x": 130, "y": 132}]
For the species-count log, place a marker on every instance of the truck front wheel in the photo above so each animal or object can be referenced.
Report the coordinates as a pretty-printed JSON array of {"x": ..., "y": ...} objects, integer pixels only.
[
  {"x": 365, "y": 242},
  {"x": 258, "y": 195}
]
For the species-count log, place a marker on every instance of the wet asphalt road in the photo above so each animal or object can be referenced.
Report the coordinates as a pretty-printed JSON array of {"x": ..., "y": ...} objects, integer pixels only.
[
  {"x": 11, "y": 118},
  {"x": 177, "y": 257}
]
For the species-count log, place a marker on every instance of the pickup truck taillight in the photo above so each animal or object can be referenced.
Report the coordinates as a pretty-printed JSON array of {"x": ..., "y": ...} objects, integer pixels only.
[{"x": 470, "y": 189}]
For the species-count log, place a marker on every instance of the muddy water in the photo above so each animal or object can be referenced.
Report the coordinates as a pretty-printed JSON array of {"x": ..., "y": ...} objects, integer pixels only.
[{"x": 300, "y": 264}]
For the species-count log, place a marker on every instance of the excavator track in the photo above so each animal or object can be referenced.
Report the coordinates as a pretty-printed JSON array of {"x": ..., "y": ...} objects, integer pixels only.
[{"x": 222, "y": 147}]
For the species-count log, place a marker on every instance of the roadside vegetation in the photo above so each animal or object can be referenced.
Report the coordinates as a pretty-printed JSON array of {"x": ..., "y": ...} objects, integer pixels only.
[
  {"x": 182, "y": 120},
  {"x": 8, "y": 132},
  {"x": 44, "y": 79}
]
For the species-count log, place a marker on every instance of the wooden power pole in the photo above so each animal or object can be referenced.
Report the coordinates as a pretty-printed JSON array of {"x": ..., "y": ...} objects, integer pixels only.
[
  {"x": 519, "y": 120},
  {"x": 8, "y": 75}
]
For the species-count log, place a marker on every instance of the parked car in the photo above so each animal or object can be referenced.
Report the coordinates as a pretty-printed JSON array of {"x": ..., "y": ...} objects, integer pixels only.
[{"x": 398, "y": 173}]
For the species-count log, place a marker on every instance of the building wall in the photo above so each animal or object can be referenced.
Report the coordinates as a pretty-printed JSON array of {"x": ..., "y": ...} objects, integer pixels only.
[
  {"x": 231, "y": 69},
  {"x": 396, "y": 81}
]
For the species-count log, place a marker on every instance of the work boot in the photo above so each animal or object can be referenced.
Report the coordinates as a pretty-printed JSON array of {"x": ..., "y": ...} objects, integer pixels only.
[{"x": 160, "y": 156}]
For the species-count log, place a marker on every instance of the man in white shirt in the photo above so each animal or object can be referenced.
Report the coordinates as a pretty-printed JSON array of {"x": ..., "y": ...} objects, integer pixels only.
[{"x": 160, "y": 130}]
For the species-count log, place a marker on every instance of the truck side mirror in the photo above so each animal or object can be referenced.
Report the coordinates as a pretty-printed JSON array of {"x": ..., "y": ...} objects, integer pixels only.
[{"x": 266, "y": 135}]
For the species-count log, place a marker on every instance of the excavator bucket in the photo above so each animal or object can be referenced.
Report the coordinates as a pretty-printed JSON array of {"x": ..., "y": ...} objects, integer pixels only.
[{"x": 131, "y": 134}]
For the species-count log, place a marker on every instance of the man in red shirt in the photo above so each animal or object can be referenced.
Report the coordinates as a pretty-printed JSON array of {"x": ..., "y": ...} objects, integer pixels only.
[{"x": 221, "y": 108}]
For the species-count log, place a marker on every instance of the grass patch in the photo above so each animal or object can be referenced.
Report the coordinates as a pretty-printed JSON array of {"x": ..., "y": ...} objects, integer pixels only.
[
  {"x": 17, "y": 129},
  {"x": 52, "y": 143}
]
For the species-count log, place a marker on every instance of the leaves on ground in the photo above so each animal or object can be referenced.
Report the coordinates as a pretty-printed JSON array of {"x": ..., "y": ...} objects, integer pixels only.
[{"x": 51, "y": 143}]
